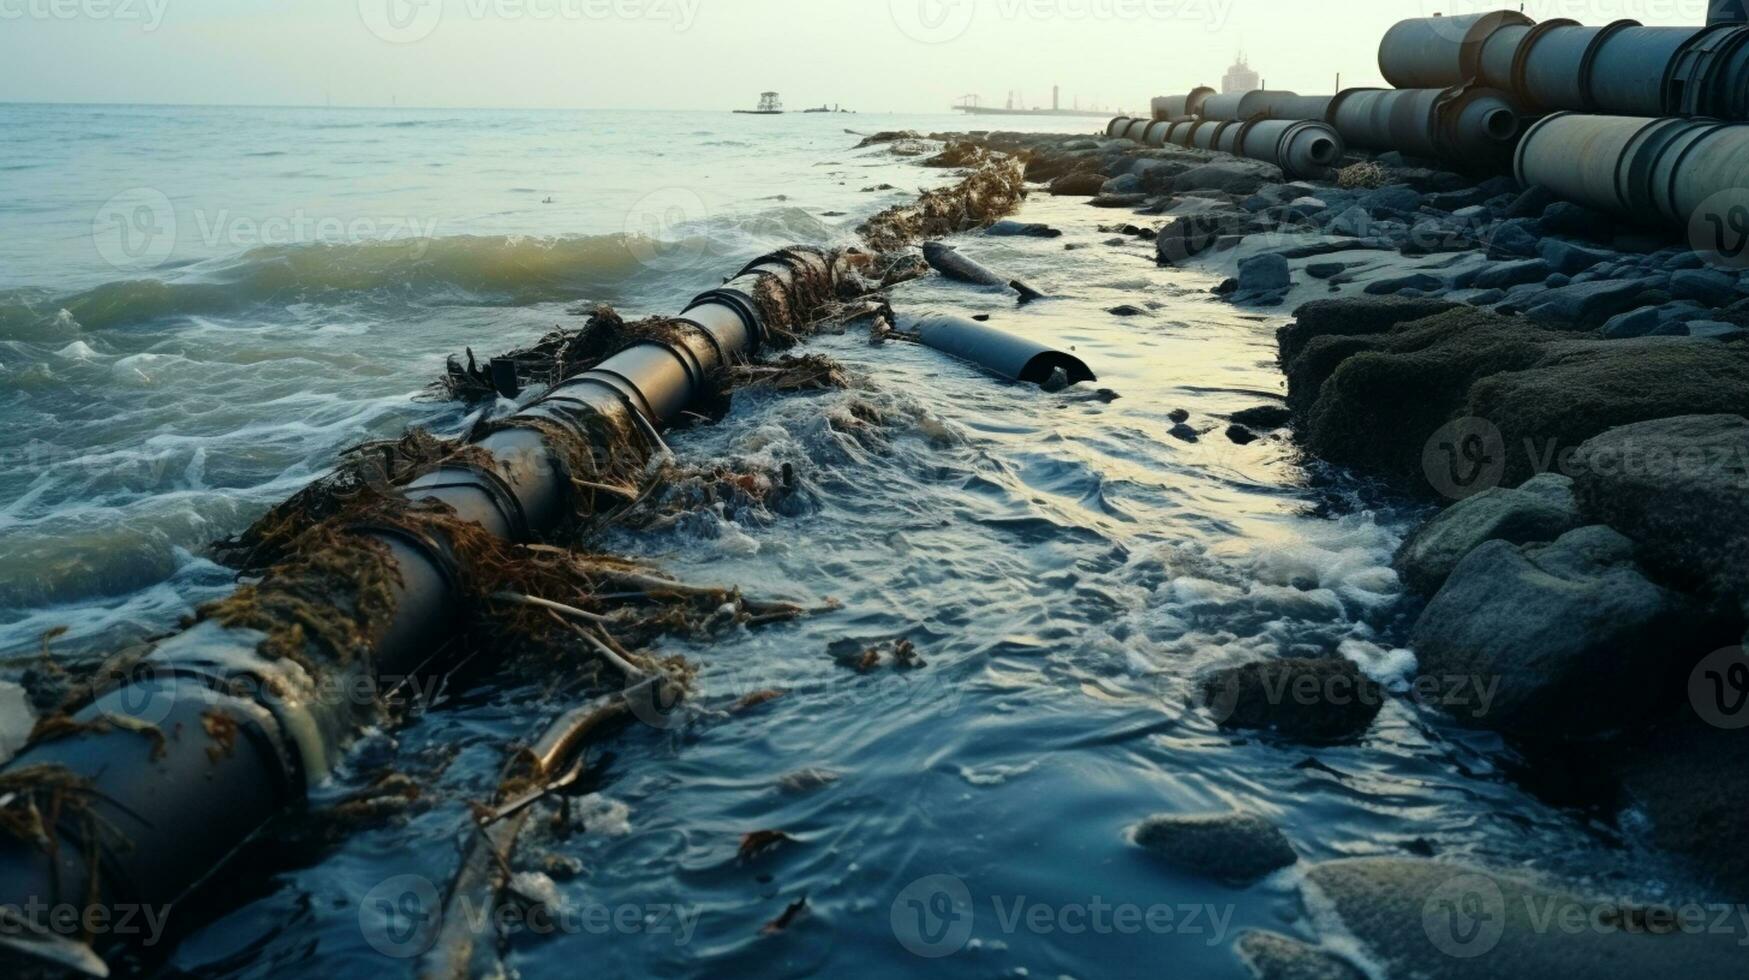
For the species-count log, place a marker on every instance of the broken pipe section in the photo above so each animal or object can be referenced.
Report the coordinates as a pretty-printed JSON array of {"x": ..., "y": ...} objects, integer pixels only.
[
  {"x": 947, "y": 260},
  {"x": 1015, "y": 358}
]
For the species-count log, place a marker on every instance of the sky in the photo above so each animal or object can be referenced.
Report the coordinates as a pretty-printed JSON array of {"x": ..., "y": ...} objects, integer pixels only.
[{"x": 871, "y": 55}]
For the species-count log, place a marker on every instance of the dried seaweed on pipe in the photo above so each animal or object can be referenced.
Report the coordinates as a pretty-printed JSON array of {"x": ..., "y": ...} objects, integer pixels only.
[
  {"x": 558, "y": 355},
  {"x": 992, "y": 191}
]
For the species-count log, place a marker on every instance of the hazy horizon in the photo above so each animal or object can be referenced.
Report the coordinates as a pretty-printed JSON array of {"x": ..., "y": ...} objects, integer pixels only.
[{"x": 873, "y": 56}]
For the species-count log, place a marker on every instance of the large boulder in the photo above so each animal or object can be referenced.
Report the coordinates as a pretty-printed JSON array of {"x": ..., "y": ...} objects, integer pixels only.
[
  {"x": 1435, "y": 921},
  {"x": 1266, "y": 273},
  {"x": 1571, "y": 635},
  {"x": 1349, "y": 318},
  {"x": 1542, "y": 509},
  {"x": 1690, "y": 780},
  {"x": 1190, "y": 235},
  {"x": 1679, "y": 487},
  {"x": 1235, "y": 848},
  {"x": 1078, "y": 185}
]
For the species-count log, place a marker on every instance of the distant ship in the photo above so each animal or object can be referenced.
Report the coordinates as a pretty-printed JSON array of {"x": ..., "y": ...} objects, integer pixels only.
[
  {"x": 834, "y": 108},
  {"x": 969, "y": 105},
  {"x": 769, "y": 105}
]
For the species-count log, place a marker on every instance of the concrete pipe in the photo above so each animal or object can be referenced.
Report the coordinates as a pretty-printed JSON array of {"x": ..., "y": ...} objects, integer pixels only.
[
  {"x": 1439, "y": 52},
  {"x": 1300, "y": 147},
  {"x": 1679, "y": 171},
  {"x": 1136, "y": 130},
  {"x": 1727, "y": 12},
  {"x": 1014, "y": 358},
  {"x": 1247, "y": 105},
  {"x": 1468, "y": 127},
  {"x": 1167, "y": 108},
  {"x": 242, "y": 734}
]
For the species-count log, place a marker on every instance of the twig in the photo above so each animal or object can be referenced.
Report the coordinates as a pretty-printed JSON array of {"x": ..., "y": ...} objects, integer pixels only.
[{"x": 551, "y": 606}]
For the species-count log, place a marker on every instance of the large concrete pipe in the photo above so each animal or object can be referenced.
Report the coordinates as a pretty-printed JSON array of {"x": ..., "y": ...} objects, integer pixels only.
[
  {"x": 1679, "y": 171},
  {"x": 1263, "y": 103},
  {"x": 1166, "y": 108},
  {"x": 1439, "y": 52},
  {"x": 1622, "y": 68},
  {"x": 1301, "y": 148},
  {"x": 243, "y": 731},
  {"x": 1468, "y": 127}
]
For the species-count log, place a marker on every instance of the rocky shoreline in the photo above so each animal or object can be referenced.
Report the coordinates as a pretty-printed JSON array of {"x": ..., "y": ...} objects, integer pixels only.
[{"x": 1573, "y": 394}]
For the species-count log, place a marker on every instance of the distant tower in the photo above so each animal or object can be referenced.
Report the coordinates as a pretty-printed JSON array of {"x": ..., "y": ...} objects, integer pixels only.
[
  {"x": 1240, "y": 78},
  {"x": 1056, "y": 97}
]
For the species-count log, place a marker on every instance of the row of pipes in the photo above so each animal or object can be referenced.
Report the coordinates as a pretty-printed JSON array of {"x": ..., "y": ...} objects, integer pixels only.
[
  {"x": 1643, "y": 118},
  {"x": 178, "y": 805}
]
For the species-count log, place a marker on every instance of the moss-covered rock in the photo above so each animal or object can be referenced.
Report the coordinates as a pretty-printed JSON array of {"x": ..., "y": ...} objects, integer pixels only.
[
  {"x": 1541, "y": 510},
  {"x": 1272, "y": 956},
  {"x": 1691, "y": 781}
]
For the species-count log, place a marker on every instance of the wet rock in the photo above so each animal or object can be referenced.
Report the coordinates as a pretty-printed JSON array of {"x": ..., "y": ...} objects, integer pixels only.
[
  {"x": 1127, "y": 310},
  {"x": 1124, "y": 184},
  {"x": 1578, "y": 639},
  {"x": 1240, "y": 178},
  {"x": 1676, "y": 486},
  {"x": 1272, "y": 956},
  {"x": 1351, "y": 318},
  {"x": 1118, "y": 200},
  {"x": 1325, "y": 270},
  {"x": 1184, "y": 432},
  {"x": 1156, "y": 175},
  {"x": 1397, "y": 199},
  {"x": 1234, "y": 848},
  {"x": 1227, "y": 287},
  {"x": 1709, "y": 287},
  {"x": 1178, "y": 415},
  {"x": 1188, "y": 236},
  {"x": 1512, "y": 237},
  {"x": 1532, "y": 203},
  {"x": 1504, "y": 274},
  {"x": 1264, "y": 274},
  {"x": 1263, "y": 417},
  {"x": 1309, "y": 700},
  {"x": 1355, "y": 222},
  {"x": 1077, "y": 185},
  {"x": 1541, "y": 510},
  {"x": 1421, "y": 282},
  {"x": 1714, "y": 329},
  {"x": 1567, "y": 218},
  {"x": 1571, "y": 257},
  {"x": 1688, "y": 779},
  {"x": 1437, "y": 921},
  {"x": 1011, "y": 228},
  {"x": 1634, "y": 323},
  {"x": 1241, "y": 436},
  {"x": 1589, "y": 304}
]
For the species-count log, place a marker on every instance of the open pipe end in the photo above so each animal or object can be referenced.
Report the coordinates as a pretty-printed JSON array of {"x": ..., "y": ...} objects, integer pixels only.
[
  {"x": 1500, "y": 124},
  {"x": 1039, "y": 370},
  {"x": 1323, "y": 151}
]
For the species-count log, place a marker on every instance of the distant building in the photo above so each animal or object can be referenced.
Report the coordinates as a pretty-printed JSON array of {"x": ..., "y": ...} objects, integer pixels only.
[{"x": 1240, "y": 78}]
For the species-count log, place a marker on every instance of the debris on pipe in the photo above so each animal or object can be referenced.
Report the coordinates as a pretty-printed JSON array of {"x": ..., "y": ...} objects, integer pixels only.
[
  {"x": 948, "y": 261},
  {"x": 1014, "y": 358}
]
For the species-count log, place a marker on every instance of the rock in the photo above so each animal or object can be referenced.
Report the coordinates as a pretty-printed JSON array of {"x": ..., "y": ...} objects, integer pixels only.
[
  {"x": 1567, "y": 218},
  {"x": 1532, "y": 203},
  {"x": 1541, "y": 510},
  {"x": 1709, "y": 287},
  {"x": 1230, "y": 177},
  {"x": 1188, "y": 236},
  {"x": 1309, "y": 700},
  {"x": 1355, "y": 222},
  {"x": 1010, "y": 228},
  {"x": 1395, "y": 199},
  {"x": 1420, "y": 281},
  {"x": 1264, "y": 273},
  {"x": 1178, "y": 415},
  {"x": 1687, "y": 779},
  {"x": 1714, "y": 329},
  {"x": 1635, "y": 323},
  {"x": 1240, "y": 435},
  {"x": 1077, "y": 185},
  {"x": 1125, "y": 184},
  {"x": 1325, "y": 270},
  {"x": 1184, "y": 432},
  {"x": 1272, "y": 956},
  {"x": 1541, "y": 393},
  {"x": 1570, "y": 257},
  {"x": 1436, "y": 921},
  {"x": 1504, "y": 274},
  {"x": 1118, "y": 200},
  {"x": 1233, "y": 848},
  {"x": 1676, "y": 486},
  {"x": 1156, "y": 175},
  {"x": 1512, "y": 237},
  {"x": 1558, "y": 280},
  {"x": 1578, "y": 639},
  {"x": 1351, "y": 318},
  {"x": 1588, "y": 304},
  {"x": 1263, "y": 417},
  {"x": 1487, "y": 297}
]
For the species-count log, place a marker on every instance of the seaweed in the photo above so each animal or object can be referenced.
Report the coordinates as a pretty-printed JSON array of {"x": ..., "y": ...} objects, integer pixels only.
[
  {"x": 556, "y": 356},
  {"x": 992, "y": 191},
  {"x": 39, "y": 804}
]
